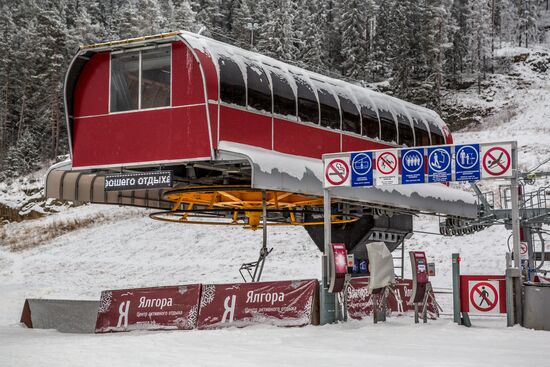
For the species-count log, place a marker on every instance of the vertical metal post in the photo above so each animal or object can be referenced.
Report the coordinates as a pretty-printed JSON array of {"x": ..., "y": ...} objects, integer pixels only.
[
  {"x": 327, "y": 301},
  {"x": 515, "y": 236},
  {"x": 327, "y": 235},
  {"x": 456, "y": 289}
]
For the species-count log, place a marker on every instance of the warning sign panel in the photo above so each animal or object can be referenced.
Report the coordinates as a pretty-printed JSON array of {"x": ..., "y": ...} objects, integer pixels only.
[
  {"x": 496, "y": 161},
  {"x": 483, "y": 294},
  {"x": 337, "y": 172},
  {"x": 387, "y": 172}
]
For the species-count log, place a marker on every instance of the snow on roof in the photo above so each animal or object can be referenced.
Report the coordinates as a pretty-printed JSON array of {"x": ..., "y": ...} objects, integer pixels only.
[
  {"x": 285, "y": 172},
  {"x": 362, "y": 95}
]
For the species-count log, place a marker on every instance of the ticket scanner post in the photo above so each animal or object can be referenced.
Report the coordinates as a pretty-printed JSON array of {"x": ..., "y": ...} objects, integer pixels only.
[{"x": 421, "y": 284}]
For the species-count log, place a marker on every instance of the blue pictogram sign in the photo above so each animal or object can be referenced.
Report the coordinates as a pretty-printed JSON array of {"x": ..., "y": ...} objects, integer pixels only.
[
  {"x": 467, "y": 167},
  {"x": 439, "y": 164},
  {"x": 361, "y": 169},
  {"x": 412, "y": 166}
]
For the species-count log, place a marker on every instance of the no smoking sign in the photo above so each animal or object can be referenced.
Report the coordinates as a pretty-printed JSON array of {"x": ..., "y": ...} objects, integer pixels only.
[{"x": 337, "y": 172}]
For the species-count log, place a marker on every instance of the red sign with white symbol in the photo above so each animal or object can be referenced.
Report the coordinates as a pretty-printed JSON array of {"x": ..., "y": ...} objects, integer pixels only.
[
  {"x": 483, "y": 293},
  {"x": 523, "y": 251},
  {"x": 496, "y": 161},
  {"x": 386, "y": 167},
  {"x": 337, "y": 172}
]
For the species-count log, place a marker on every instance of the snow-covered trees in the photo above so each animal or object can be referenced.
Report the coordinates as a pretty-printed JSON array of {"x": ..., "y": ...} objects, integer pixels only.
[{"x": 419, "y": 46}]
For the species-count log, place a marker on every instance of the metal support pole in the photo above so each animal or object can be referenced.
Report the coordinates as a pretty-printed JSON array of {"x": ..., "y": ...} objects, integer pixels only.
[
  {"x": 516, "y": 238},
  {"x": 327, "y": 235},
  {"x": 327, "y": 301},
  {"x": 456, "y": 289}
]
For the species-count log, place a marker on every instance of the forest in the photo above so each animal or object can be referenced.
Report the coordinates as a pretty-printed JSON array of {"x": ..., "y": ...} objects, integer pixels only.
[{"x": 418, "y": 49}]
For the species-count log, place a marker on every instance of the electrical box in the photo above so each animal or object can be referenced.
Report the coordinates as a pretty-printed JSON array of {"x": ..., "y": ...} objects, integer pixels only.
[{"x": 431, "y": 269}]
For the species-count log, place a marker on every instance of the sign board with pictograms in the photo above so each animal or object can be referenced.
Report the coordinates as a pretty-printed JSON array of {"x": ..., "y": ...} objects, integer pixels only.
[
  {"x": 337, "y": 172},
  {"x": 387, "y": 172},
  {"x": 412, "y": 166},
  {"x": 440, "y": 163},
  {"x": 496, "y": 161},
  {"x": 483, "y": 294},
  {"x": 467, "y": 162},
  {"x": 362, "y": 169}
]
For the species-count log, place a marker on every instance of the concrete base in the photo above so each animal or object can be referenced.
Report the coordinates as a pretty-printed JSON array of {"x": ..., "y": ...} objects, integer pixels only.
[{"x": 63, "y": 315}]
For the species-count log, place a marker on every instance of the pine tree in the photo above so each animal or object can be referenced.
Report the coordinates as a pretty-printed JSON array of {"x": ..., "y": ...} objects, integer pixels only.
[
  {"x": 355, "y": 44},
  {"x": 311, "y": 53},
  {"x": 184, "y": 16},
  {"x": 278, "y": 34},
  {"x": 240, "y": 19},
  {"x": 479, "y": 43}
]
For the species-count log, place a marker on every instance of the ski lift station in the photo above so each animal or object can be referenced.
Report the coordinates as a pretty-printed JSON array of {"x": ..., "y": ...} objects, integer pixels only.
[{"x": 202, "y": 132}]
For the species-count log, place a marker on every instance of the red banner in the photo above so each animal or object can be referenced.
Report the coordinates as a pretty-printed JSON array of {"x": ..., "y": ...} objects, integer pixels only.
[
  {"x": 162, "y": 308},
  {"x": 360, "y": 299},
  {"x": 284, "y": 303}
]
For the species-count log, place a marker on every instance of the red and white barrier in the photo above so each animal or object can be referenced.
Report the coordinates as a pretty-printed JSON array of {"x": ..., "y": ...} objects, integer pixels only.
[
  {"x": 360, "y": 300},
  {"x": 162, "y": 308},
  {"x": 283, "y": 303}
]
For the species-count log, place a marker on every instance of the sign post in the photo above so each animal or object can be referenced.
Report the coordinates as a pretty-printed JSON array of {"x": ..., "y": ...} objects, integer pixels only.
[{"x": 441, "y": 163}]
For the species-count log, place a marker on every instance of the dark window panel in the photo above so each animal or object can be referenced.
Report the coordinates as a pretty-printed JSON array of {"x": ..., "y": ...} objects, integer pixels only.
[
  {"x": 387, "y": 127},
  {"x": 308, "y": 107},
  {"x": 284, "y": 100},
  {"x": 351, "y": 120},
  {"x": 406, "y": 136},
  {"x": 330, "y": 113},
  {"x": 259, "y": 90},
  {"x": 124, "y": 82},
  {"x": 422, "y": 137},
  {"x": 155, "y": 77},
  {"x": 437, "y": 136},
  {"x": 232, "y": 87},
  {"x": 371, "y": 127}
]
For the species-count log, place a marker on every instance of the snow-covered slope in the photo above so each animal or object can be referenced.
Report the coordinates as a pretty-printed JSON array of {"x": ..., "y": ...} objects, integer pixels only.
[{"x": 100, "y": 247}]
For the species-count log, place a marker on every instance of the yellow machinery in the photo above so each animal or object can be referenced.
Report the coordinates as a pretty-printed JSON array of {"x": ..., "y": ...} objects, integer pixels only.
[{"x": 244, "y": 206}]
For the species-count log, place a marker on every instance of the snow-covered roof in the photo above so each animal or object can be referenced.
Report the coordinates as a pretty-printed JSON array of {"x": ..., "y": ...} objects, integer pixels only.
[{"x": 358, "y": 94}]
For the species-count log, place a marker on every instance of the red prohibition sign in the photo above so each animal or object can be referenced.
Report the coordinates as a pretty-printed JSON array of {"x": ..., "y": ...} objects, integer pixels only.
[
  {"x": 497, "y": 167},
  {"x": 490, "y": 304},
  {"x": 390, "y": 164},
  {"x": 332, "y": 170}
]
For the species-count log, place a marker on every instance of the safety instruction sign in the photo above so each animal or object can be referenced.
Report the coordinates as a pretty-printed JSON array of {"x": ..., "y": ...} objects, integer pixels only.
[
  {"x": 483, "y": 294},
  {"x": 387, "y": 172},
  {"x": 337, "y": 172},
  {"x": 412, "y": 166},
  {"x": 496, "y": 161},
  {"x": 415, "y": 165},
  {"x": 467, "y": 162},
  {"x": 439, "y": 164},
  {"x": 362, "y": 169}
]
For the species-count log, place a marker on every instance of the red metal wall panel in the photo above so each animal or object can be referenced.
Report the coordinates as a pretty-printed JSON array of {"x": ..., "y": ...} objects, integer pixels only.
[
  {"x": 145, "y": 136},
  {"x": 210, "y": 73},
  {"x": 245, "y": 127},
  {"x": 186, "y": 77},
  {"x": 283, "y": 303},
  {"x": 91, "y": 95},
  {"x": 213, "y": 109},
  {"x": 352, "y": 143},
  {"x": 300, "y": 139},
  {"x": 161, "y": 308}
]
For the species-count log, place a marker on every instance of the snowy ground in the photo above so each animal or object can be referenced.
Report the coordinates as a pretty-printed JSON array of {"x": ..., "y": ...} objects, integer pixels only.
[{"x": 120, "y": 248}]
